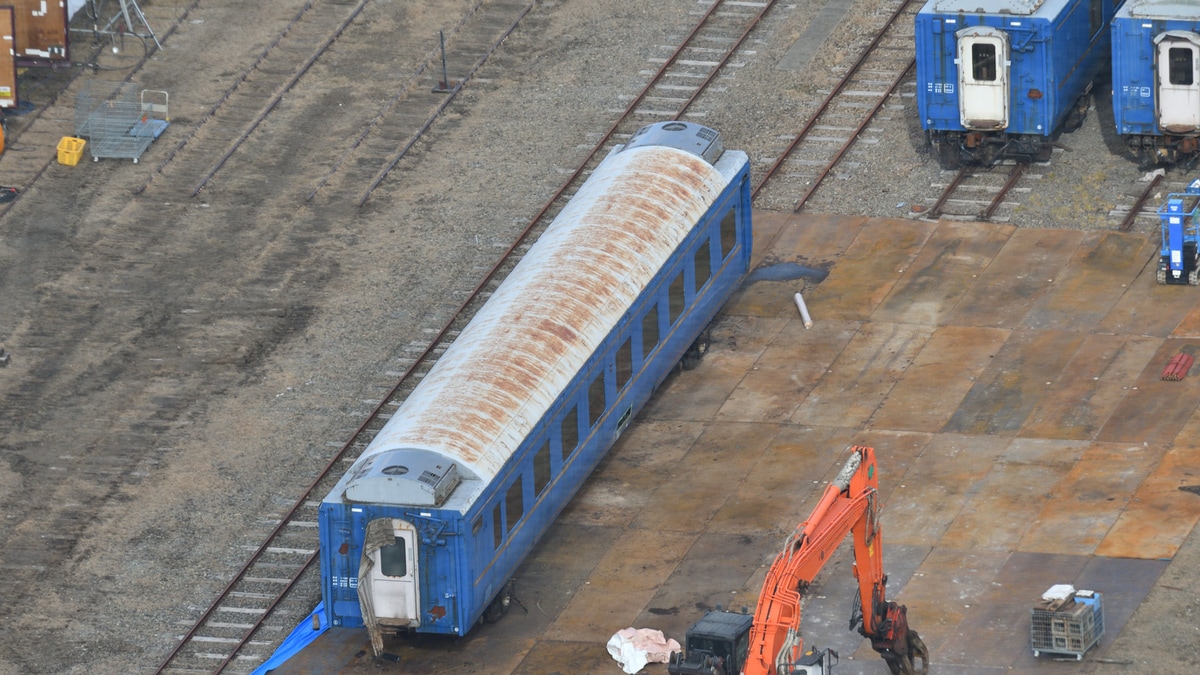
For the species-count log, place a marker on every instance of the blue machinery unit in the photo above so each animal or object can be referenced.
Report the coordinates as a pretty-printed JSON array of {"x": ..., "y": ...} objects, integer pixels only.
[{"x": 1180, "y": 220}]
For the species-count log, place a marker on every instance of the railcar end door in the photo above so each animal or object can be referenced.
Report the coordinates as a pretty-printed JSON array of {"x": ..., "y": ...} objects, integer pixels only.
[
  {"x": 983, "y": 75},
  {"x": 1177, "y": 62},
  {"x": 394, "y": 590}
]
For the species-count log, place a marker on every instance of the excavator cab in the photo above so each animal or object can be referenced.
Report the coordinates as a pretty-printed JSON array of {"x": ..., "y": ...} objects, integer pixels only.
[{"x": 716, "y": 644}]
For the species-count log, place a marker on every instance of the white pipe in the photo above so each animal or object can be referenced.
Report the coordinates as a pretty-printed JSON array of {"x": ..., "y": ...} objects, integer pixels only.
[{"x": 803, "y": 310}]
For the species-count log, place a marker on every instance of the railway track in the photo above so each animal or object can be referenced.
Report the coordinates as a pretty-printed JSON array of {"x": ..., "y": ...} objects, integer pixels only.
[
  {"x": 980, "y": 193},
  {"x": 279, "y": 577},
  {"x": 839, "y": 121}
]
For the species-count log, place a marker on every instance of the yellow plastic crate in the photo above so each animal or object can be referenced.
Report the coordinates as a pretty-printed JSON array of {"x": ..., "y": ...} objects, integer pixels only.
[{"x": 70, "y": 150}]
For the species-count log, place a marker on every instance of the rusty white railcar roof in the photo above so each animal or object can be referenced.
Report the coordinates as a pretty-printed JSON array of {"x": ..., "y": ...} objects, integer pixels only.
[
  {"x": 520, "y": 351},
  {"x": 1161, "y": 9},
  {"x": 999, "y": 7}
]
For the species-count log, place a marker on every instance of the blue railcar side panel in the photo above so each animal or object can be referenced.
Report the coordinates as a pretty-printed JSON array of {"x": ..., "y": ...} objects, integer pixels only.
[
  {"x": 461, "y": 568},
  {"x": 1052, "y": 52},
  {"x": 1133, "y": 70}
]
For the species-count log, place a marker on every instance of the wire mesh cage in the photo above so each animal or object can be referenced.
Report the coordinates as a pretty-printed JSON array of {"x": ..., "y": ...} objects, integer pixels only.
[
  {"x": 1071, "y": 627},
  {"x": 115, "y": 119}
]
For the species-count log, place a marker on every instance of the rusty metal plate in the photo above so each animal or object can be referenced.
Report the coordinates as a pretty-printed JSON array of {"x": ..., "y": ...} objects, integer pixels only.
[
  {"x": 1104, "y": 265},
  {"x": 930, "y": 391},
  {"x": 1084, "y": 505},
  {"x": 1160, "y": 515},
  {"x": 1014, "y": 383},
  {"x": 1153, "y": 411},
  {"x": 624, "y": 580},
  {"x": 785, "y": 482},
  {"x": 1018, "y": 276},
  {"x": 867, "y": 271},
  {"x": 941, "y": 274},
  {"x": 1001, "y": 506},
  {"x": 629, "y": 474},
  {"x": 1091, "y": 385},
  {"x": 809, "y": 241},
  {"x": 928, "y": 497},
  {"x": 775, "y": 385},
  {"x": 862, "y": 375},
  {"x": 1146, "y": 308}
]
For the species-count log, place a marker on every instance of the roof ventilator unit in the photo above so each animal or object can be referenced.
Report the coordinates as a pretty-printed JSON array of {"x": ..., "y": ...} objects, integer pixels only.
[
  {"x": 694, "y": 138},
  {"x": 403, "y": 476}
]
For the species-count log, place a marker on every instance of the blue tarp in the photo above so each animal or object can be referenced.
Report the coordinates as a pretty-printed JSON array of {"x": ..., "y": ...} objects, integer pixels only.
[{"x": 300, "y": 637}]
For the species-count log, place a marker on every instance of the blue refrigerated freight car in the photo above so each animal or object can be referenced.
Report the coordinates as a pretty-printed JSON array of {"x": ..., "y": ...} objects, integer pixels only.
[
  {"x": 1156, "y": 79},
  {"x": 1001, "y": 78},
  {"x": 425, "y": 530}
]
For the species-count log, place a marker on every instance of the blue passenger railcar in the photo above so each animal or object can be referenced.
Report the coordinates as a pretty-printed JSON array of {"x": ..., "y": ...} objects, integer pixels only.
[
  {"x": 1156, "y": 79},
  {"x": 425, "y": 530},
  {"x": 1000, "y": 78}
]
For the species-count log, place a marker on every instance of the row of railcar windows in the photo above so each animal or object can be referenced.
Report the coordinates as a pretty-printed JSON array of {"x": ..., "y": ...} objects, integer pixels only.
[{"x": 569, "y": 427}]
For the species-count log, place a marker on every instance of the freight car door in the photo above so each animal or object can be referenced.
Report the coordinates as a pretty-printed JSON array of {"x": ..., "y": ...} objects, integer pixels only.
[
  {"x": 393, "y": 578},
  {"x": 1177, "y": 56},
  {"x": 983, "y": 67}
]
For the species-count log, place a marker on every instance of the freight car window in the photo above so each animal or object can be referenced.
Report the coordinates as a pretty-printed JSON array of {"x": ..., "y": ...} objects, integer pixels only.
[
  {"x": 570, "y": 433},
  {"x": 392, "y": 559},
  {"x": 983, "y": 62},
  {"x": 675, "y": 298},
  {"x": 728, "y": 233},
  {"x": 624, "y": 364},
  {"x": 649, "y": 331},
  {"x": 541, "y": 469},
  {"x": 514, "y": 505},
  {"x": 1180, "y": 64},
  {"x": 595, "y": 400},
  {"x": 497, "y": 527},
  {"x": 703, "y": 259}
]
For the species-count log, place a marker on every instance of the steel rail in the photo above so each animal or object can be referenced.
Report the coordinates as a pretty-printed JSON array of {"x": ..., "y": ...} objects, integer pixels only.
[
  {"x": 1136, "y": 209},
  {"x": 1013, "y": 176},
  {"x": 812, "y": 186},
  {"x": 428, "y": 352},
  {"x": 803, "y": 133},
  {"x": 935, "y": 211},
  {"x": 379, "y": 116},
  {"x": 262, "y": 114},
  {"x": 212, "y": 111},
  {"x": 458, "y": 87}
]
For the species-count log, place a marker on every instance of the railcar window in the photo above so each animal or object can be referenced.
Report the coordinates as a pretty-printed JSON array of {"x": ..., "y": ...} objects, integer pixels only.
[
  {"x": 728, "y": 233},
  {"x": 675, "y": 298},
  {"x": 595, "y": 400},
  {"x": 649, "y": 331},
  {"x": 983, "y": 62},
  {"x": 392, "y": 559},
  {"x": 624, "y": 363},
  {"x": 497, "y": 526},
  {"x": 703, "y": 260},
  {"x": 1179, "y": 61},
  {"x": 570, "y": 433},
  {"x": 514, "y": 504},
  {"x": 541, "y": 469}
]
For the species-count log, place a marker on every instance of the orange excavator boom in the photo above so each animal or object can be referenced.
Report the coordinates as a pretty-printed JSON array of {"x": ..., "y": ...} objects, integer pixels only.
[{"x": 850, "y": 504}]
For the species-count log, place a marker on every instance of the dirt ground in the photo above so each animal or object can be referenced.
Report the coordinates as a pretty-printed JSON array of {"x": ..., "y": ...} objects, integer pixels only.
[{"x": 182, "y": 366}]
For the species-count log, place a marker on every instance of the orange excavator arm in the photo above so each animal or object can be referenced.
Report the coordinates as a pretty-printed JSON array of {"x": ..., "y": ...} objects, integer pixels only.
[{"x": 849, "y": 505}]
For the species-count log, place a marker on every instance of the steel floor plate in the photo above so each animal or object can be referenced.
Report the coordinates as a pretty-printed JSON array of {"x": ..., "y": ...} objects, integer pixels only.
[{"x": 1009, "y": 381}]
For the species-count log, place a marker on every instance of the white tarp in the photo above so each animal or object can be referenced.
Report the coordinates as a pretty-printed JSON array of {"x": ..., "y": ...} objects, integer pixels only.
[{"x": 633, "y": 648}]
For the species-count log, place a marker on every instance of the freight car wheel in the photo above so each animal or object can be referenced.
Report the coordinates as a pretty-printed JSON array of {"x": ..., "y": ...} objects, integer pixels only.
[
  {"x": 948, "y": 156},
  {"x": 499, "y": 605},
  {"x": 691, "y": 358}
]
